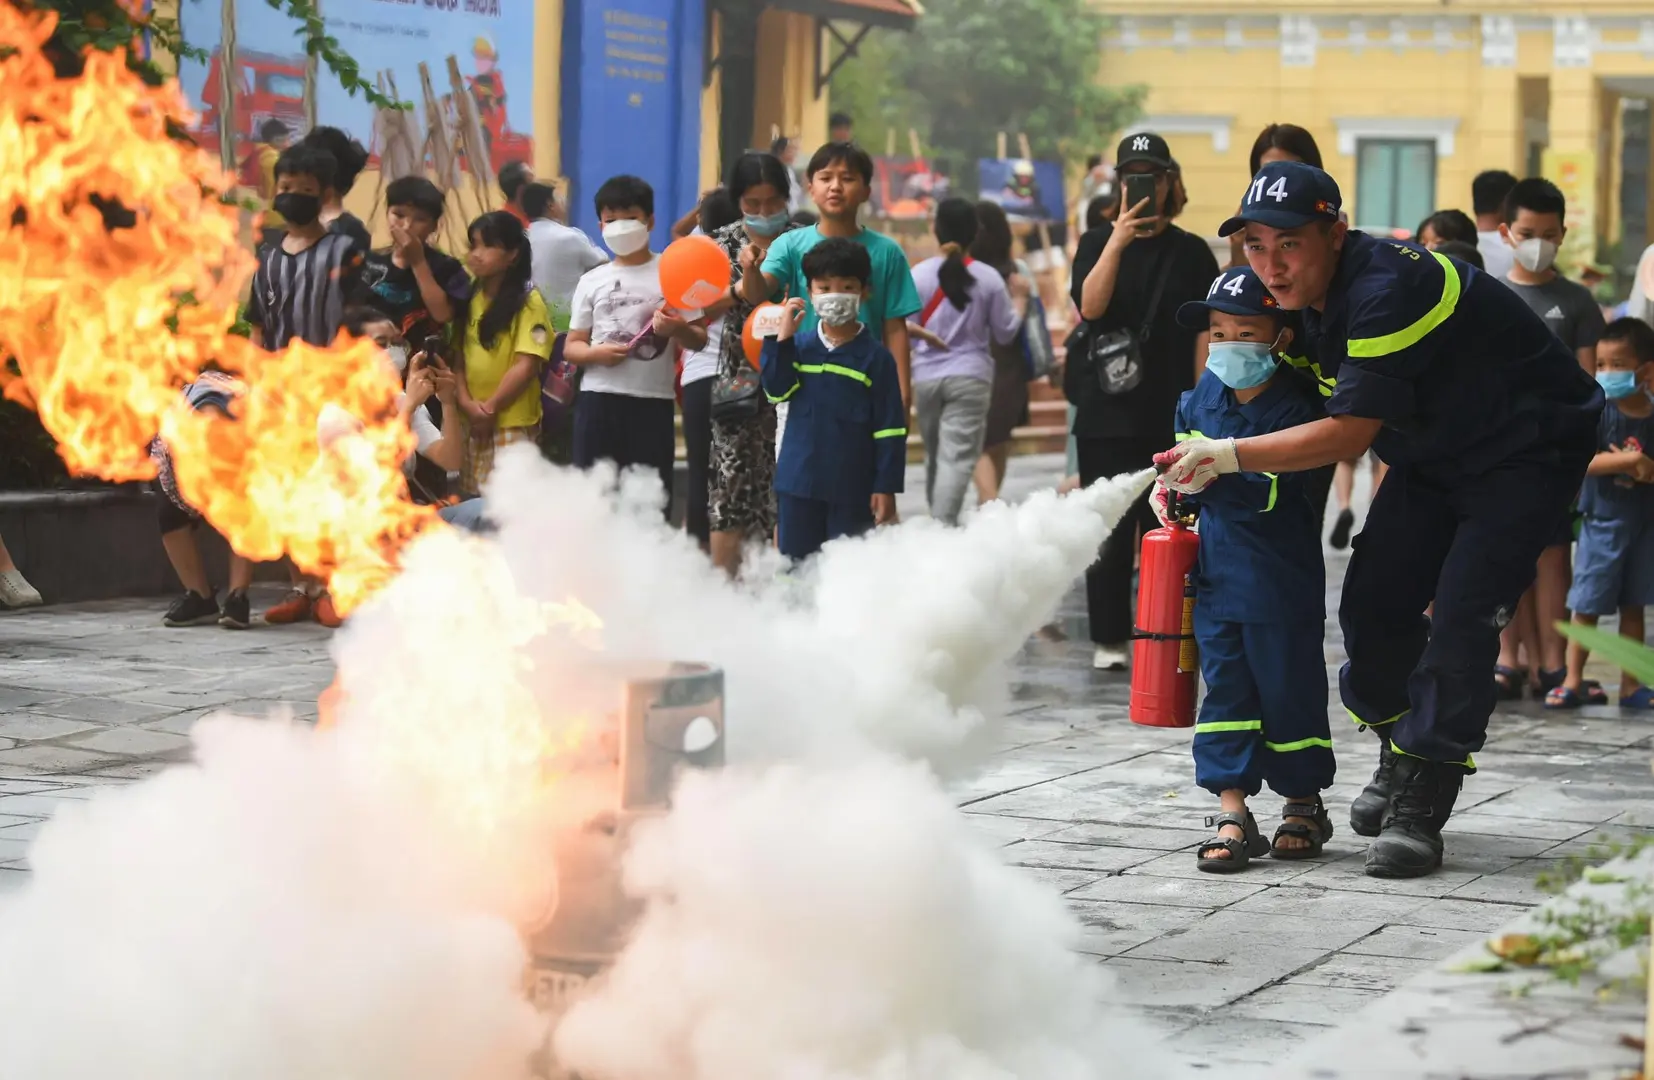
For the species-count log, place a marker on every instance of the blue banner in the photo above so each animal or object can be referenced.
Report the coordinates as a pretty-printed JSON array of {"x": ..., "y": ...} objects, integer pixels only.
[{"x": 632, "y": 102}]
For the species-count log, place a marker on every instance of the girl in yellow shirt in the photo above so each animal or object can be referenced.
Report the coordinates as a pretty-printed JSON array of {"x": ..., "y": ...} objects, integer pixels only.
[{"x": 508, "y": 336}]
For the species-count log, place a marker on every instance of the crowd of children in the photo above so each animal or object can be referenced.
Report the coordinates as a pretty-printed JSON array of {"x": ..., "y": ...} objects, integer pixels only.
[{"x": 472, "y": 340}]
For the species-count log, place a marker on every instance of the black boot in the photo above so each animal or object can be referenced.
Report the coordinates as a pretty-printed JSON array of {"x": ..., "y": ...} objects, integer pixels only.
[
  {"x": 1367, "y": 809},
  {"x": 1421, "y": 799}
]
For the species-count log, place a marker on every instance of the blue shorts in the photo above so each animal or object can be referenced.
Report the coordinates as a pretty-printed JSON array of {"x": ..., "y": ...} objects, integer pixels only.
[{"x": 1613, "y": 567}]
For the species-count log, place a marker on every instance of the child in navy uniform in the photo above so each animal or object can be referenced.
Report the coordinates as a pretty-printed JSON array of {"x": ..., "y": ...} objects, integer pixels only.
[
  {"x": 1614, "y": 555},
  {"x": 1260, "y": 588},
  {"x": 845, "y": 454}
]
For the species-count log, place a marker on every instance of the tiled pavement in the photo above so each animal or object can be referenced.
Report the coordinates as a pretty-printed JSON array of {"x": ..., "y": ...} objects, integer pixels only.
[{"x": 1243, "y": 968}]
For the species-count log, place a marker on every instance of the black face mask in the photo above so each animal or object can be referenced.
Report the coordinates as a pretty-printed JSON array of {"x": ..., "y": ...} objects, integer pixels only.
[{"x": 296, "y": 208}]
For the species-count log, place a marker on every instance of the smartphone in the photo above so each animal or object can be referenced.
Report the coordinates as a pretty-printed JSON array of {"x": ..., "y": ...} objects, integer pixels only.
[
  {"x": 433, "y": 351},
  {"x": 1140, "y": 186}
]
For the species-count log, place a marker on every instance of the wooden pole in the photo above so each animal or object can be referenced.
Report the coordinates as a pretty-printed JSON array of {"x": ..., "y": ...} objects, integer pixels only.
[
  {"x": 471, "y": 137},
  {"x": 310, "y": 74},
  {"x": 913, "y": 143},
  {"x": 226, "y": 88},
  {"x": 1002, "y": 155},
  {"x": 890, "y": 142}
]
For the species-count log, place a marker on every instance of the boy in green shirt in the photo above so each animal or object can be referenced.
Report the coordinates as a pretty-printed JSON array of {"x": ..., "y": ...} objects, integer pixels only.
[{"x": 840, "y": 176}]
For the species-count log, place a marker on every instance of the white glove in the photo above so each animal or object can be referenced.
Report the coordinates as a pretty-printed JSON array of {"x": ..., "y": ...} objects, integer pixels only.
[
  {"x": 1160, "y": 501},
  {"x": 1197, "y": 463}
]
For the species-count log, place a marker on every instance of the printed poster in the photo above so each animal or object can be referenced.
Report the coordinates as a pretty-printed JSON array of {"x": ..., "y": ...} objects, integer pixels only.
[
  {"x": 492, "y": 40},
  {"x": 1576, "y": 175},
  {"x": 1025, "y": 190}
]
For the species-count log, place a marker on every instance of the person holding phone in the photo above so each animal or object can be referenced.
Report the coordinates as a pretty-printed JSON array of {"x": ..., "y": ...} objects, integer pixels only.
[{"x": 1131, "y": 360}]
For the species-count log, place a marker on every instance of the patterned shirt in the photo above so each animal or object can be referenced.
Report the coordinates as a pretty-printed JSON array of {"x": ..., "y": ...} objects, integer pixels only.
[
  {"x": 732, "y": 238},
  {"x": 303, "y": 296}
]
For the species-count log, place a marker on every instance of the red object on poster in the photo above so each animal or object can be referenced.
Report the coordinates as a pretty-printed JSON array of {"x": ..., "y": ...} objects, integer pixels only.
[{"x": 1164, "y": 661}]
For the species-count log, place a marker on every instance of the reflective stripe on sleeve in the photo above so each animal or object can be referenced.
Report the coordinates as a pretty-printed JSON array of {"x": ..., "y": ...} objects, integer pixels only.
[
  {"x": 1274, "y": 490},
  {"x": 1412, "y": 335},
  {"x": 891, "y": 433},
  {"x": 778, "y": 400},
  {"x": 1185, "y": 436}
]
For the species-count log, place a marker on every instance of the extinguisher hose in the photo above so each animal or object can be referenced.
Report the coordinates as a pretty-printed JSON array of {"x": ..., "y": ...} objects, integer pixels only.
[{"x": 1145, "y": 635}]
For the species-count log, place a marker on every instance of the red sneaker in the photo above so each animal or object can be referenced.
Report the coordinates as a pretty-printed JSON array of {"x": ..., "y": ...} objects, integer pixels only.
[
  {"x": 295, "y": 608},
  {"x": 326, "y": 614}
]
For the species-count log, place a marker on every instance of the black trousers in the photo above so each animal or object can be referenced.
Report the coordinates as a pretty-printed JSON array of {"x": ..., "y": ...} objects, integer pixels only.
[
  {"x": 1108, "y": 593},
  {"x": 697, "y": 444},
  {"x": 1471, "y": 548},
  {"x": 627, "y": 431}
]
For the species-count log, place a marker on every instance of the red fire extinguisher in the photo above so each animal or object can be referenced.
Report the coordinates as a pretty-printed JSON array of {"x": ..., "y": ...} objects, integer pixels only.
[{"x": 1164, "y": 661}]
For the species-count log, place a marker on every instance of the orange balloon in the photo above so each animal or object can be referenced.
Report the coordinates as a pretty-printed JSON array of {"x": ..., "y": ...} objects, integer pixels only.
[
  {"x": 694, "y": 273},
  {"x": 764, "y": 322}
]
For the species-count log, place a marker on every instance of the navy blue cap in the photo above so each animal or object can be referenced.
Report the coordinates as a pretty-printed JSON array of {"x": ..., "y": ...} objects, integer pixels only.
[
  {"x": 1285, "y": 195},
  {"x": 1235, "y": 292}
]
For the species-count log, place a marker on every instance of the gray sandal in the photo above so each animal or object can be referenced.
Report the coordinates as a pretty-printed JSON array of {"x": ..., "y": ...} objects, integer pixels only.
[
  {"x": 1241, "y": 852},
  {"x": 1316, "y": 836}
]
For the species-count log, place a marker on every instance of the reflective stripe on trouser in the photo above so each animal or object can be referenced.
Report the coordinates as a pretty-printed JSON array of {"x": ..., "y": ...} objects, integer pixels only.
[
  {"x": 1471, "y": 548},
  {"x": 1264, "y": 717}
]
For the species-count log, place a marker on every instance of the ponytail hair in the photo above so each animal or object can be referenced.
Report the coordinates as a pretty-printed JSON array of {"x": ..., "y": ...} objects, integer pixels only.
[
  {"x": 956, "y": 227},
  {"x": 501, "y": 229}
]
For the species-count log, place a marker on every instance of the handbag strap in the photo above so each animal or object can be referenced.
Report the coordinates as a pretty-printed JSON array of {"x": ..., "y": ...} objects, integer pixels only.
[
  {"x": 936, "y": 299},
  {"x": 1168, "y": 258}
]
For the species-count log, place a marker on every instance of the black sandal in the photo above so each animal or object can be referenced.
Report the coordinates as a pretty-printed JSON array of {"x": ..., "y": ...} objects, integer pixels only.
[
  {"x": 1316, "y": 836},
  {"x": 1241, "y": 852},
  {"x": 1509, "y": 682}
]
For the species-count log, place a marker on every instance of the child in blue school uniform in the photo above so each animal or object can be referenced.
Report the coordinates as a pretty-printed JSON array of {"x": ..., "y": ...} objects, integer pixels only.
[
  {"x": 843, "y": 461},
  {"x": 1614, "y": 555},
  {"x": 1260, "y": 588}
]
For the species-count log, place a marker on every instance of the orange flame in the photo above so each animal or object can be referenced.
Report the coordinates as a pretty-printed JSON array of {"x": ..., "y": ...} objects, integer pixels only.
[{"x": 85, "y": 311}]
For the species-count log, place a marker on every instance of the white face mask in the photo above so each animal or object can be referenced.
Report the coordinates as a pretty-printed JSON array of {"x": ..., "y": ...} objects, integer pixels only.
[
  {"x": 1535, "y": 255},
  {"x": 837, "y": 309},
  {"x": 399, "y": 357},
  {"x": 626, "y": 237}
]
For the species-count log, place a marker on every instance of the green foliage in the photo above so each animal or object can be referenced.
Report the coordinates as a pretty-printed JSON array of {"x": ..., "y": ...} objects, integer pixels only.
[
  {"x": 974, "y": 68},
  {"x": 105, "y": 25},
  {"x": 1633, "y": 657}
]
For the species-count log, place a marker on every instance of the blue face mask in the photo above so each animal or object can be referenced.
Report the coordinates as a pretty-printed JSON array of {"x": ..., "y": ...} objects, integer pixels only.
[
  {"x": 768, "y": 224},
  {"x": 1617, "y": 384},
  {"x": 1241, "y": 365}
]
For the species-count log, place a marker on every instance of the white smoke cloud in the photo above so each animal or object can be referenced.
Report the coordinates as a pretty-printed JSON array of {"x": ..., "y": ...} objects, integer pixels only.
[
  {"x": 302, "y": 903},
  {"x": 840, "y": 923}
]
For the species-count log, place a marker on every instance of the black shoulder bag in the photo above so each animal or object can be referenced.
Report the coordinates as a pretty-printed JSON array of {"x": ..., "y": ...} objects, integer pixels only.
[{"x": 1116, "y": 356}]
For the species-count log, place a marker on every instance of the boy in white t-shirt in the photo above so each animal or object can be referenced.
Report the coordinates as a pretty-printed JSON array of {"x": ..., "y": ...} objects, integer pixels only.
[{"x": 622, "y": 334}]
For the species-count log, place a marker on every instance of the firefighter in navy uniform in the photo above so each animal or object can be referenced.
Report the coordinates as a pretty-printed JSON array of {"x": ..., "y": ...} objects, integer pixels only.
[{"x": 1486, "y": 422}]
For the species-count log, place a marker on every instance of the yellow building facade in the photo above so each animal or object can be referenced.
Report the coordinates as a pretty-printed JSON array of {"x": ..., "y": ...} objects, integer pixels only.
[{"x": 1408, "y": 101}]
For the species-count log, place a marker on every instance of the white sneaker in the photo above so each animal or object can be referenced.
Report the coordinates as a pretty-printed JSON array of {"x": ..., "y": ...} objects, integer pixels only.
[
  {"x": 1105, "y": 658},
  {"x": 16, "y": 592}
]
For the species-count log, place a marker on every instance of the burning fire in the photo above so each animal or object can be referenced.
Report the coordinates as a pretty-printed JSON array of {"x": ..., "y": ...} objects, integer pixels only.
[{"x": 106, "y": 324}]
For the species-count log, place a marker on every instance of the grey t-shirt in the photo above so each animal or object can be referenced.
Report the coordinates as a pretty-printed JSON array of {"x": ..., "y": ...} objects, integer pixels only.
[{"x": 1567, "y": 307}]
